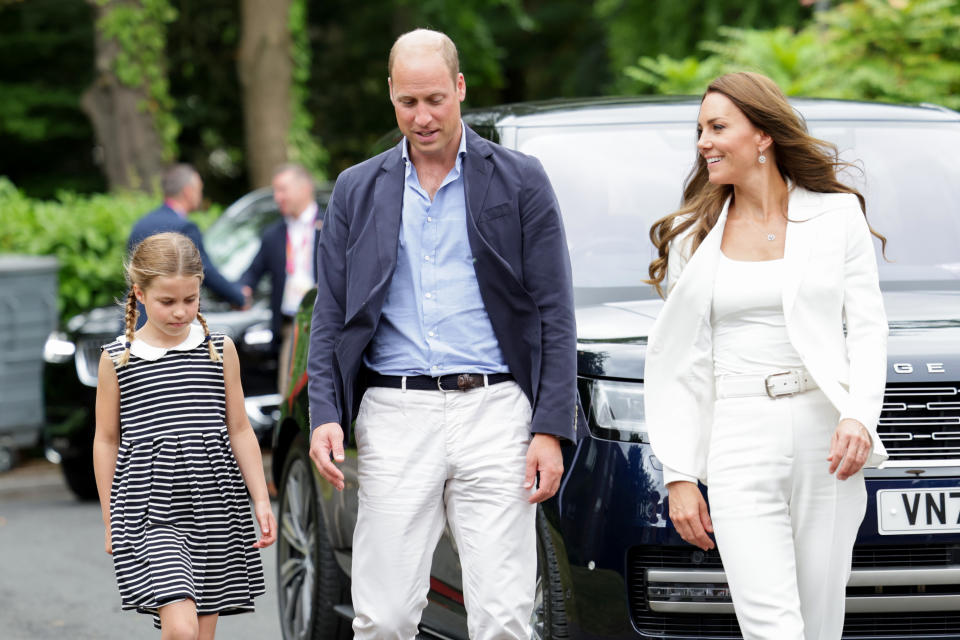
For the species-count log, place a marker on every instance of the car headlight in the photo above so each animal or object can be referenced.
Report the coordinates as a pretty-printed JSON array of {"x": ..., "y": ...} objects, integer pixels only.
[
  {"x": 58, "y": 348},
  {"x": 616, "y": 411},
  {"x": 258, "y": 334}
]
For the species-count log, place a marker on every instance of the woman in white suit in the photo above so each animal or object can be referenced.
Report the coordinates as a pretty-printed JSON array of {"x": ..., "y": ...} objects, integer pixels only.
[{"x": 753, "y": 385}]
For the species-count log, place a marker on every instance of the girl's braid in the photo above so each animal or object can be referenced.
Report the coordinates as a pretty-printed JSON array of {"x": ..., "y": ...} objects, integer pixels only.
[
  {"x": 206, "y": 332},
  {"x": 129, "y": 323}
]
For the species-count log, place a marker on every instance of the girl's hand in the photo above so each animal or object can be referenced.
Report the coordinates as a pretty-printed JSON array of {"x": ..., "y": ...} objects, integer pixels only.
[
  {"x": 689, "y": 514},
  {"x": 107, "y": 544},
  {"x": 268, "y": 524},
  {"x": 849, "y": 448}
]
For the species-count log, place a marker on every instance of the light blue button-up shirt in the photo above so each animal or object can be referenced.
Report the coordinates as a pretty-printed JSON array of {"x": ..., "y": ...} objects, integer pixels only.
[{"x": 433, "y": 321}]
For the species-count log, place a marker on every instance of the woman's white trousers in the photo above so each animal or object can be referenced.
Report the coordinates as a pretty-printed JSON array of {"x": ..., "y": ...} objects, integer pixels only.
[
  {"x": 429, "y": 458},
  {"x": 785, "y": 527}
]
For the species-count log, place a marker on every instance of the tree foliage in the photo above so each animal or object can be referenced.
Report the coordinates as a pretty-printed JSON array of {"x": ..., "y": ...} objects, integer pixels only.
[
  {"x": 46, "y": 60},
  {"x": 864, "y": 49},
  {"x": 511, "y": 50},
  {"x": 651, "y": 28}
]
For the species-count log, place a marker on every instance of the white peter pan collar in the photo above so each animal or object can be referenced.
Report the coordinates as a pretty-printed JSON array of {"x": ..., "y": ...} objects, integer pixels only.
[{"x": 146, "y": 351}]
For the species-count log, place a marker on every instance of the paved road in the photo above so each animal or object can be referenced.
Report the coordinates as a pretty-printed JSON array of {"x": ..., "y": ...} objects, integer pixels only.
[{"x": 56, "y": 582}]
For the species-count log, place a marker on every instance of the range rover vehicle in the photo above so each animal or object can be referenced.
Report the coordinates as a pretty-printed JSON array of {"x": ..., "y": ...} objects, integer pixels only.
[
  {"x": 73, "y": 355},
  {"x": 611, "y": 564}
]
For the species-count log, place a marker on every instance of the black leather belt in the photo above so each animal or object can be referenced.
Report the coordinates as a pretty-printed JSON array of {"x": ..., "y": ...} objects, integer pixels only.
[{"x": 449, "y": 382}]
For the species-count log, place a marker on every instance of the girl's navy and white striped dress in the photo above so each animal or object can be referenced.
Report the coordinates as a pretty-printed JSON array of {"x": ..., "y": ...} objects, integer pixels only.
[{"x": 180, "y": 519}]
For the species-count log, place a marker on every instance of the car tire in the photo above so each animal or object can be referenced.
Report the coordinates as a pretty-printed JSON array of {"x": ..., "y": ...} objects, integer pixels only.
[
  {"x": 550, "y": 613},
  {"x": 310, "y": 583},
  {"x": 78, "y": 472}
]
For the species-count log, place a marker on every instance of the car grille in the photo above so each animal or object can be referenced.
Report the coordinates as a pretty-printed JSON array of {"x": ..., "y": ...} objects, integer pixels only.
[
  {"x": 894, "y": 625},
  {"x": 921, "y": 422}
]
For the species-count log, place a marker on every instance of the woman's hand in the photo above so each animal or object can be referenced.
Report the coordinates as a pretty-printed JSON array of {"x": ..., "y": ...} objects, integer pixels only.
[
  {"x": 689, "y": 514},
  {"x": 849, "y": 448},
  {"x": 268, "y": 524},
  {"x": 107, "y": 543}
]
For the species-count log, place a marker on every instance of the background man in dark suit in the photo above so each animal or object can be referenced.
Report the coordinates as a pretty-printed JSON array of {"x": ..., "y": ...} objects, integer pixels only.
[
  {"x": 287, "y": 254},
  {"x": 444, "y": 290},
  {"x": 182, "y": 195}
]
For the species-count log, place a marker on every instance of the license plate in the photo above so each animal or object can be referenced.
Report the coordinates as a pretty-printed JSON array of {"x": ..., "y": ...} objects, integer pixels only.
[{"x": 909, "y": 511}]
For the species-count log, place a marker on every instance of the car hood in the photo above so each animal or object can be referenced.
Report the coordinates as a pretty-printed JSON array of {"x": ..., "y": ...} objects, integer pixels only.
[
  {"x": 106, "y": 321},
  {"x": 924, "y": 341}
]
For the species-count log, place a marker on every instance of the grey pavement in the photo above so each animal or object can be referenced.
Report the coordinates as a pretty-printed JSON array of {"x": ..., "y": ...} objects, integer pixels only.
[{"x": 56, "y": 581}]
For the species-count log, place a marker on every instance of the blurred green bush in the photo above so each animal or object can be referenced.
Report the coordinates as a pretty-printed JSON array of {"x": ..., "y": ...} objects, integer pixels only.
[
  {"x": 86, "y": 233},
  {"x": 885, "y": 50}
]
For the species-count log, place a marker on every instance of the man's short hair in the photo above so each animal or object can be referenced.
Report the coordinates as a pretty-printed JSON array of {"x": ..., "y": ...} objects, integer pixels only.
[
  {"x": 176, "y": 178},
  {"x": 426, "y": 40},
  {"x": 294, "y": 168}
]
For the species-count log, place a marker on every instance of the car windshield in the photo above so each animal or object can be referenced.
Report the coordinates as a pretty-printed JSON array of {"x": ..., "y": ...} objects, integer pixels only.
[
  {"x": 614, "y": 181},
  {"x": 234, "y": 239}
]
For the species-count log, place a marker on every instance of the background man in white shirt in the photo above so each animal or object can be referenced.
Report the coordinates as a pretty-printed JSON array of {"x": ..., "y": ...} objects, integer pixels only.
[{"x": 287, "y": 254}]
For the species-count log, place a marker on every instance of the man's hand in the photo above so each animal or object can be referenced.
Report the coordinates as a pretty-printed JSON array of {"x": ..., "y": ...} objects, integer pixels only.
[
  {"x": 689, "y": 514},
  {"x": 327, "y": 439},
  {"x": 849, "y": 448},
  {"x": 544, "y": 456}
]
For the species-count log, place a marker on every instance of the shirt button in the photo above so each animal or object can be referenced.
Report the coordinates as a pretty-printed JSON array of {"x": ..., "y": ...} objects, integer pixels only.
[
  {"x": 431, "y": 333},
  {"x": 427, "y": 295},
  {"x": 429, "y": 219},
  {"x": 435, "y": 366},
  {"x": 427, "y": 258}
]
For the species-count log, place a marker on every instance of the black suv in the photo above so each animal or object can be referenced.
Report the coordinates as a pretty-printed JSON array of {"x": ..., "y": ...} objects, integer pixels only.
[
  {"x": 611, "y": 564},
  {"x": 73, "y": 355}
]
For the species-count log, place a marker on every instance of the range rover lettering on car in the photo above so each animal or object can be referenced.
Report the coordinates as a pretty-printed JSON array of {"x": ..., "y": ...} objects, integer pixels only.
[{"x": 610, "y": 563}]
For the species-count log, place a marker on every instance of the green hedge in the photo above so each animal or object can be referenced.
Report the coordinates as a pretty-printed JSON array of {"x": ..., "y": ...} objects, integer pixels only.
[{"x": 86, "y": 233}]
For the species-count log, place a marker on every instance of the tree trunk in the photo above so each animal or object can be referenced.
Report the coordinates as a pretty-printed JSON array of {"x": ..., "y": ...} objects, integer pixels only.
[
  {"x": 265, "y": 69},
  {"x": 131, "y": 150}
]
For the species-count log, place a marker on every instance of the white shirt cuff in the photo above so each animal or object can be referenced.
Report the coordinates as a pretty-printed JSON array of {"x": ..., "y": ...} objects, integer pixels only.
[{"x": 671, "y": 475}]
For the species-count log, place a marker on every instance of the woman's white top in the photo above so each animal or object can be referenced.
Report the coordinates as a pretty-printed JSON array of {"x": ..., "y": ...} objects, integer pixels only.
[{"x": 749, "y": 328}]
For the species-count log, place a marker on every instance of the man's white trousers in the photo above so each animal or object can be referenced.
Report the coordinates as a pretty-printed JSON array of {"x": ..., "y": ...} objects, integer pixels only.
[
  {"x": 429, "y": 458},
  {"x": 785, "y": 527}
]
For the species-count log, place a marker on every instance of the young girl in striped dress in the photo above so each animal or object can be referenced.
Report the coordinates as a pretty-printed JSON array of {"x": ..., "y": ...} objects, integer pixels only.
[{"x": 174, "y": 454}]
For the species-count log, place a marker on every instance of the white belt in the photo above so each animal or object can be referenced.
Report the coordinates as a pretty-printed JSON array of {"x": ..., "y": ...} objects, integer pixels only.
[{"x": 774, "y": 385}]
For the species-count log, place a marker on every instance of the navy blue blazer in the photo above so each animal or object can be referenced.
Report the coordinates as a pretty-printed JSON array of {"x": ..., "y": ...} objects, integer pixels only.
[
  {"x": 522, "y": 266},
  {"x": 272, "y": 259},
  {"x": 162, "y": 219}
]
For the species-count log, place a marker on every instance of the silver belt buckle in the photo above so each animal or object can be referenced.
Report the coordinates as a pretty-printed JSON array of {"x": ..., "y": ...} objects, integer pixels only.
[{"x": 791, "y": 386}]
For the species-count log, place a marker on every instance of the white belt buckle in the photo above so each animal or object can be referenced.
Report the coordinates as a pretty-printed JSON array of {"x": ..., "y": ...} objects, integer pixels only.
[{"x": 783, "y": 383}]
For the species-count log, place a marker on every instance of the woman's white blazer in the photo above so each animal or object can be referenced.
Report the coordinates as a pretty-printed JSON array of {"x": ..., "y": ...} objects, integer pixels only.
[{"x": 830, "y": 283}]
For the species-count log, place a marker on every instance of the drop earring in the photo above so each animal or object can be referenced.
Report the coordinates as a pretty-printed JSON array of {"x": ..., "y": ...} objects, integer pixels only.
[{"x": 762, "y": 158}]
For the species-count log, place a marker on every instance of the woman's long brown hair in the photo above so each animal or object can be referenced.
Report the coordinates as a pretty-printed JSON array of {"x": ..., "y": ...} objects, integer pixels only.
[{"x": 802, "y": 159}]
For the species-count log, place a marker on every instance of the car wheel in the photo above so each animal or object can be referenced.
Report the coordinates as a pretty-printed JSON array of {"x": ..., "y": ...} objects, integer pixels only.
[
  {"x": 78, "y": 472},
  {"x": 549, "y": 620},
  {"x": 310, "y": 583}
]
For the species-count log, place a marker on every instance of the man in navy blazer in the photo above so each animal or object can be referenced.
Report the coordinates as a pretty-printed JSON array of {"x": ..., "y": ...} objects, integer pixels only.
[
  {"x": 182, "y": 195},
  {"x": 444, "y": 291},
  {"x": 287, "y": 255}
]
